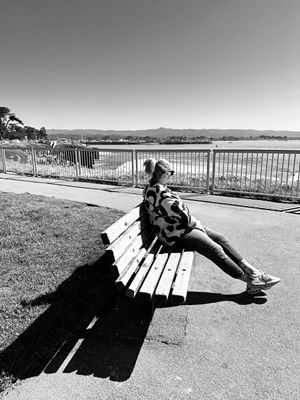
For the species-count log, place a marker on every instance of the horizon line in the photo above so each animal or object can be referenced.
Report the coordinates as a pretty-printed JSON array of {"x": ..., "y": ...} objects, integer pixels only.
[{"x": 178, "y": 129}]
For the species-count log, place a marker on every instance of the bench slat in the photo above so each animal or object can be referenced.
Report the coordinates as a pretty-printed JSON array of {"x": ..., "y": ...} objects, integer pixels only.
[
  {"x": 153, "y": 276},
  {"x": 125, "y": 277},
  {"x": 142, "y": 272},
  {"x": 163, "y": 289},
  {"x": 119, "y": 246},
  {"x": 116, "y": 229},
  {"x": 182, "y": 279},
  {"x": 132, "y": 251},
  {"x": 133, "y": 266}
]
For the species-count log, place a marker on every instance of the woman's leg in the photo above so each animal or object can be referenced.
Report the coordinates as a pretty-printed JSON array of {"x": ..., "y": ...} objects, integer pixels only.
[
  {"x": 232, "y": 253},
  {"x": 255, "y": 274},
  {"x": 225, "y": 244},
  {"x": 218, "y": 249},
  {"x": 201, "y": 242}
]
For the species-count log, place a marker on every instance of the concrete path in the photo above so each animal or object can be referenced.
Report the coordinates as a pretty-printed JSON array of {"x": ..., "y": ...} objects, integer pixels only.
[
  {"x": 109, "y": 195},
  {"x": 101, "y": 195},
  {"x": 220, "y": 345}
]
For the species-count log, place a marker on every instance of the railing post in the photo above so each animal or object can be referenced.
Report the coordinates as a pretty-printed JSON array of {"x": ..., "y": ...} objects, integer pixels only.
[
  {"x": 3, "y": 159},
  {"x": 213, "y": 173},
  {"x": 76, "y": 164},
  {"x": 208, "y": 171},
  {"x": 34, "y": 166},
  {"x": 132, "y": 167},
  {"x": 136, "y": 169}
]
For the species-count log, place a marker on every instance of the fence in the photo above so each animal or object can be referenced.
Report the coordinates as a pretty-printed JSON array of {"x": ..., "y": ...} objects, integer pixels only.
[
  {"x": 86, "y": 164},
  {"x": 191, "y": 167},
  {"x": 271, "y": 173},
  {"x": 274, "y": 173}
]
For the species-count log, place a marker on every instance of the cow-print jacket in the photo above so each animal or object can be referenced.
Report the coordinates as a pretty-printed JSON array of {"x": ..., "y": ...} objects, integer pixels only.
[{"x": 168, "y": 214}]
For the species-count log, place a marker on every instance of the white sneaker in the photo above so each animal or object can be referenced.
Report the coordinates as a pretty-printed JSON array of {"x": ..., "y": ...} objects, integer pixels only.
[
  {"x": 261, "y": 281},
  {"x": 269, "y": 280}
]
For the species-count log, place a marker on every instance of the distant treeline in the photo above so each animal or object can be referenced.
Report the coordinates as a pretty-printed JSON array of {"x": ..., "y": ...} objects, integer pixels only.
[
  {"x": 146, "y": 139},
  {"x": 130, "y": 139},
  {"x": 210, "y": 134}
]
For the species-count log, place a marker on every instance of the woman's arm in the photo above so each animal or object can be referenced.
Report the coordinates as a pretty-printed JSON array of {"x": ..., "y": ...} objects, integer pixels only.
[
  {"x": 176, "y": 206},
  {"x": 173, "y": 208}
]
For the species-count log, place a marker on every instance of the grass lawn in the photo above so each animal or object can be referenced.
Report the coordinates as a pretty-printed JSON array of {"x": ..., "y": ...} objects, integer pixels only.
[{"x": 52, "y": 277}]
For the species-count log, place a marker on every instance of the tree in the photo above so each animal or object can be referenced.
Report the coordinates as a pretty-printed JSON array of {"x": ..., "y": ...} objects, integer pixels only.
[
  {"x": 30, "y": 132},
  {"x": 42, "y": 133},
  {"x": 8, "y": 121},
  {"x": 12, "y": 127},
  {"x": 16, "y": 133}
]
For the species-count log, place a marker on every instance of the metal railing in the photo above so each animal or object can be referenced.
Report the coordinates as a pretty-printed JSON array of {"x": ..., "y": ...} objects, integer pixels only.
[
  {"x": 55, "y": 163},
  {"x": 191, "y": 167},
  {"x": 274, "y": 173},
  {"x": 17, "y": 160},
  {"x": 107, "y": 165},
  {"x": 85, "y": 164},
  {"x": 271, "y": 173}
]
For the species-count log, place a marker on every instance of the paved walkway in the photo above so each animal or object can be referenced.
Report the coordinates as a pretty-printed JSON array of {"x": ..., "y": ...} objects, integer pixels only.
[
  {"x": 220, "y": 345},
  {"x": 108, "y": 195}
]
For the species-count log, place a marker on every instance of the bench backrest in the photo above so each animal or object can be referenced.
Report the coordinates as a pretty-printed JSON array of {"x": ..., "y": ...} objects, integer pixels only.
[
  {"x": 120, "y": 226},
  {"x": 126, "y": 238}
]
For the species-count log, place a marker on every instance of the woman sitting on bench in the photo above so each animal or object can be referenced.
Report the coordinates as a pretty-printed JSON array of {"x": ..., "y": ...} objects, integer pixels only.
[{"x": 174, "y": 225}]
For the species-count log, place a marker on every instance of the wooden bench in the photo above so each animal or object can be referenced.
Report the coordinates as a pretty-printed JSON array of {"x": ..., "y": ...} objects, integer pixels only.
[{"x": 142, "y": 267}]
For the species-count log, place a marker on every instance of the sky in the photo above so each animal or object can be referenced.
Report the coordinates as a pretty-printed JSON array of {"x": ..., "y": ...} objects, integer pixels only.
[{"x": 144, "y": 64}]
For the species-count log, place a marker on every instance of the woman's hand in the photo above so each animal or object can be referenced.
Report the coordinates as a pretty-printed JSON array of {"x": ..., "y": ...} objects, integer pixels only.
[
  {"x": 196, "y": 224},
  {"x": 199, "y": 226}
]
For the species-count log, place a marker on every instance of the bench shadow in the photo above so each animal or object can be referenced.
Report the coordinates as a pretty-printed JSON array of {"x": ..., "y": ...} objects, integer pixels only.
[
  {"x": 242, "y": 298},
  {"x": 108, "y": 350},
  {"x": 63, "y": 339},
  {"x": 111, "y": 348},
  {"x": 201, "y": 298}
]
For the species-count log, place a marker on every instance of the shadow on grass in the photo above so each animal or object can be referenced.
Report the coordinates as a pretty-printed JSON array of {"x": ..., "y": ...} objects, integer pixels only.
[{"x": 111, "y": 346}]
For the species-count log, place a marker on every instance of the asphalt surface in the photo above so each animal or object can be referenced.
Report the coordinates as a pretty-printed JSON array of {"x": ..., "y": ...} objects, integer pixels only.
[{"x": 220, "y": 345}]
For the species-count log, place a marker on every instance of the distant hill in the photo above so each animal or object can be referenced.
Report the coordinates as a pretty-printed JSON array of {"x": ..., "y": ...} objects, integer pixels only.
[{"x": 166, "y": 132}]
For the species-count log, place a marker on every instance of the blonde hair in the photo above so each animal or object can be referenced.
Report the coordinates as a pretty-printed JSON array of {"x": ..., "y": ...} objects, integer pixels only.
[
  {"x": 156, "y": 168},
  {"x": 149, "y": 165}
]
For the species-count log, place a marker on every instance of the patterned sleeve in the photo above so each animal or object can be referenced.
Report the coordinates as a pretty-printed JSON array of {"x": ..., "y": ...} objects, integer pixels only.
[
  {"x": 168, "y": 214},
  {"x": 174, "y": 210}
]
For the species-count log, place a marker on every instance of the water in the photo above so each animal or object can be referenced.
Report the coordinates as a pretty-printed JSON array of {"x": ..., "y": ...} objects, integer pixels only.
[{"x": 239, "y": 144}]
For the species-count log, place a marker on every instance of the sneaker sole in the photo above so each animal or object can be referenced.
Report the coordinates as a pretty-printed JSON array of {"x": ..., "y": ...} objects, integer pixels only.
[
  {"x": 267, "y": 286},
  {"x": 254, "y": 291},
  {"x": 270, "y": 285}
]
